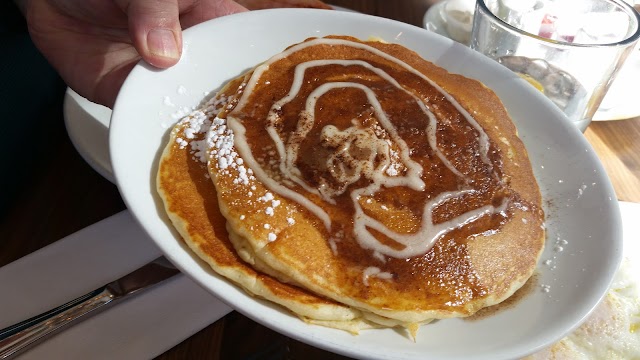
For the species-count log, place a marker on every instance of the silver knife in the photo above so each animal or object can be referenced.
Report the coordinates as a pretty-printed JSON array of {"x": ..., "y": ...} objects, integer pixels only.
[{"x": 23, "y": 335}]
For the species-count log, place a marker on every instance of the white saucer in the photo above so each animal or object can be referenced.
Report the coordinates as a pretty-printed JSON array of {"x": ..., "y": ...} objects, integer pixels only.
[
  {"x": 435, "y": 20},
  {"x": 88, "y": 128},
  {"x": 619, "y": 103},
  {"x": 621, "y": 100}
]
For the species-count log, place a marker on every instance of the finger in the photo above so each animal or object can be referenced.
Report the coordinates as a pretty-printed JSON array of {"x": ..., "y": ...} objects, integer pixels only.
[{"x": 154, "y": 27}]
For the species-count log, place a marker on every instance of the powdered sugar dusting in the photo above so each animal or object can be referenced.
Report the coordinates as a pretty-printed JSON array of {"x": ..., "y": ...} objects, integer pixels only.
[
  {"x": 194, "y": 125},
  {"x": 182, "y": 143},
  {"x": 167, "y": 101},
  {"x": 267, "y": 197},
  {"x": 220, "y": 141}
]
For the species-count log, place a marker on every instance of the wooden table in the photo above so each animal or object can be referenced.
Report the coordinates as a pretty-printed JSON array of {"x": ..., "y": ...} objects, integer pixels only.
[{"x": 65, "y": 195}]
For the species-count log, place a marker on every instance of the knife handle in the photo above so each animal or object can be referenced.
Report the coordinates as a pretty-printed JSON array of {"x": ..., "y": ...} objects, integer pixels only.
[{"x": 25, "y": 334}]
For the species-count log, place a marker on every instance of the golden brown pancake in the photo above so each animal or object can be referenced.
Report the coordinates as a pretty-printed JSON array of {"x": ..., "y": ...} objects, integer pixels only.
[
  {"x": 367, "y": 175},
  {"x": 191, "y": 202}
]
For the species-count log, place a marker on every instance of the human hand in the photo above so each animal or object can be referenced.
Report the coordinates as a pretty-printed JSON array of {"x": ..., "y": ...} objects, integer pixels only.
[{"x": 94, "y": 44}]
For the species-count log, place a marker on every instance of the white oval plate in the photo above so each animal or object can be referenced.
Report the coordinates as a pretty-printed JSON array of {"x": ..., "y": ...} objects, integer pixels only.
[{"x": 583, "y": 214}]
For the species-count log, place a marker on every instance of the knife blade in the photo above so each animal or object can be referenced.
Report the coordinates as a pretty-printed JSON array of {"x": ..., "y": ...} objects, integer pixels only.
[{"x": 19, "y": 337}]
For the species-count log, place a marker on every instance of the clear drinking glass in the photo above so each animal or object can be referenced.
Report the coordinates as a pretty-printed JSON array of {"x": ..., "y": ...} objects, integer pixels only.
[{"x": 569, "y": 50}]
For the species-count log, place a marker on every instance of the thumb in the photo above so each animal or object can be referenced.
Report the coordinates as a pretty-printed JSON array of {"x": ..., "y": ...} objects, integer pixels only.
[{"x": 154, "y": 27}]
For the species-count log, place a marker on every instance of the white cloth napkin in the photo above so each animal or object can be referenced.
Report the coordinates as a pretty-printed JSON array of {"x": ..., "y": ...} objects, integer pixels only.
[
  {"x": 142, "y": 327},
  {"x": 148, "y": 324}
]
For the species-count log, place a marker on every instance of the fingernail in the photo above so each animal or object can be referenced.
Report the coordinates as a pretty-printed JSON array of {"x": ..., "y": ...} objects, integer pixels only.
[{"x": 162, "y": 42}]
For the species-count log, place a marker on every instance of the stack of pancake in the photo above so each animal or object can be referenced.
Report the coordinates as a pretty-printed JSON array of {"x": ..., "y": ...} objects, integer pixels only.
[{"x": 357, "y": 185}]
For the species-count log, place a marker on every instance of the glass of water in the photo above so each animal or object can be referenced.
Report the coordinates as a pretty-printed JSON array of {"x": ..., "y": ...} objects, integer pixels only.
[{"x": 569, "y": 50}]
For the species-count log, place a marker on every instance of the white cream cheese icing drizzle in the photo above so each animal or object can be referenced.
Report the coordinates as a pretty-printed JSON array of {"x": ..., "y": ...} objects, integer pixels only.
[{"x": 415, "y": 243}]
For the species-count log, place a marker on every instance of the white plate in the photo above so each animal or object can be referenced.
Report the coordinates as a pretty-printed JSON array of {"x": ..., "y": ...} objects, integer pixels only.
[
  {"x": 581, "y": 205},
  {"x": 435, "y": 20},
  {"x": 621, "y": 101}
]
